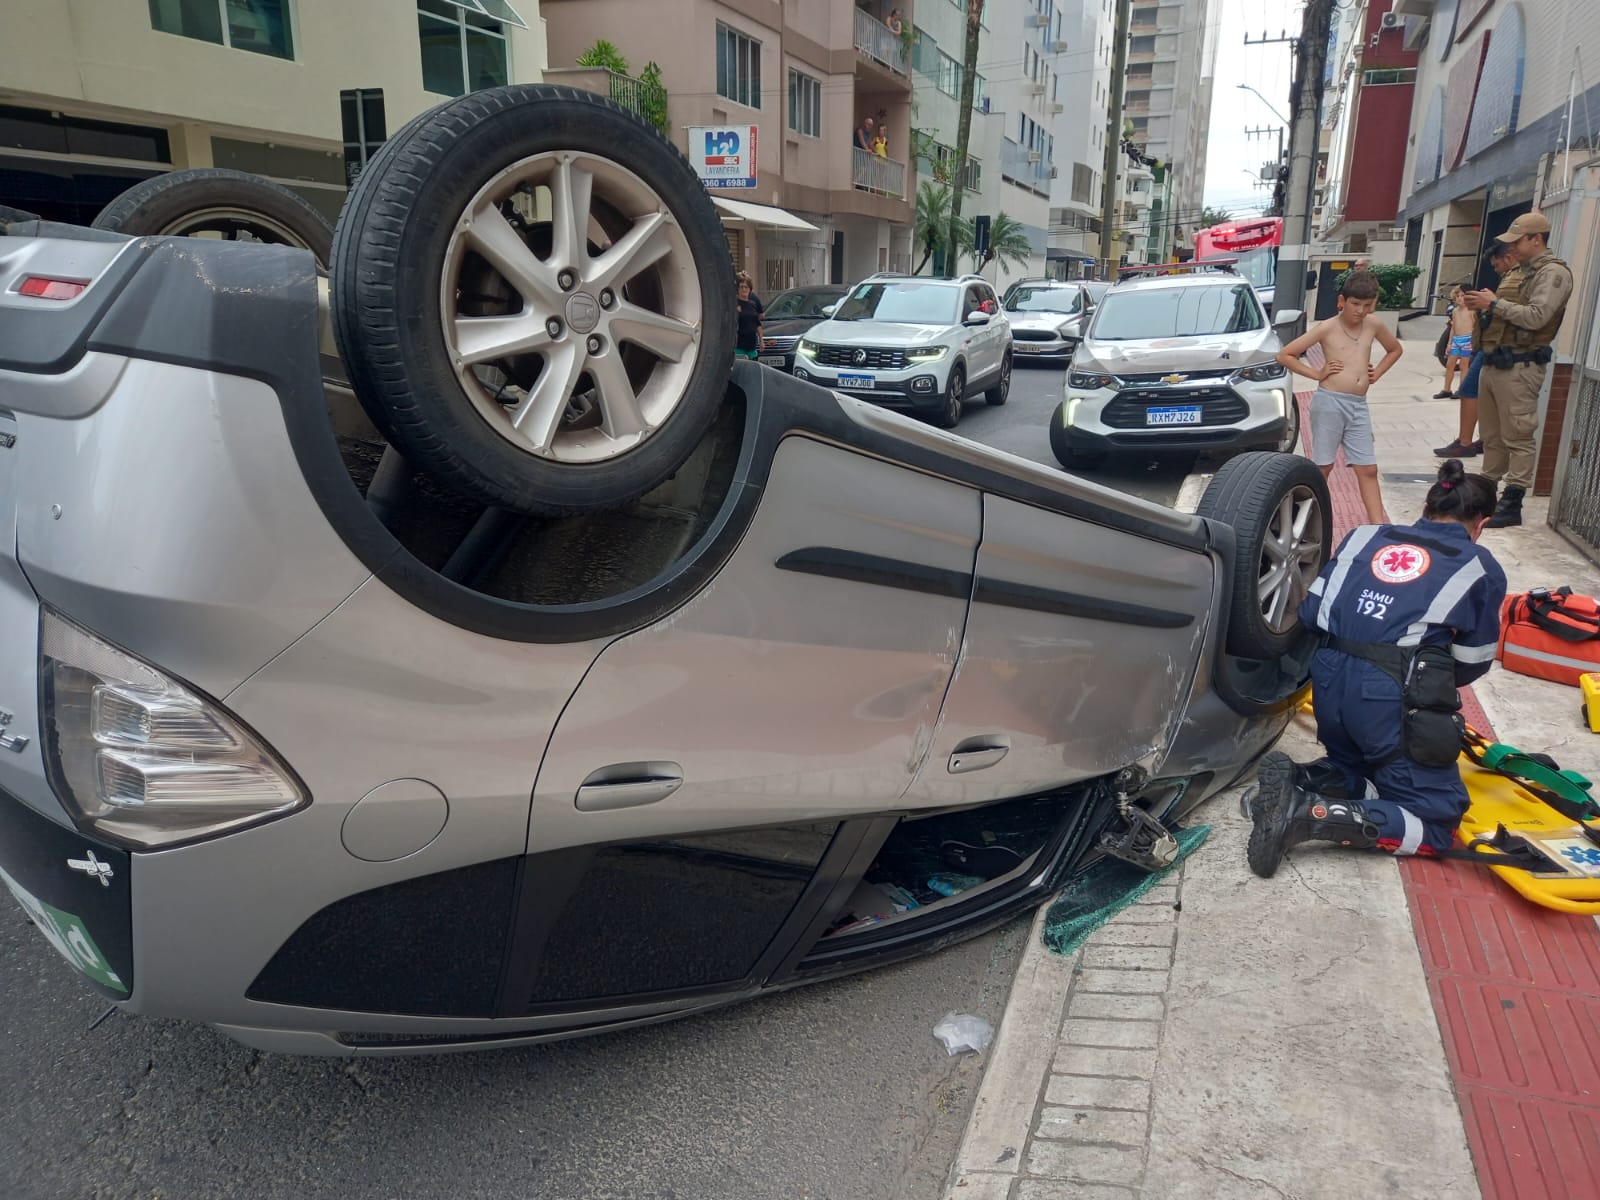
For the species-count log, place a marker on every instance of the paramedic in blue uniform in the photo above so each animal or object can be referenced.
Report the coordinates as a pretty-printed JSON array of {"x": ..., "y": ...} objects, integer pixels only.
[{"x": 1396, "y": 603}]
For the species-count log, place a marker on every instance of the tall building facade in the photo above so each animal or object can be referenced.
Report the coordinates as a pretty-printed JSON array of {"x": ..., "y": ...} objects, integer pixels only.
[
  {"x": 938, "y": 53},
  {"x": 1084, "y": 93},
  {"x": 1172, "y": 47},
  {"x": 1025, "y": 102},
  {"x": 96, "y": 95},
  {"x": 804, "y": 74},
  {"x": 1369, "y": 96}
]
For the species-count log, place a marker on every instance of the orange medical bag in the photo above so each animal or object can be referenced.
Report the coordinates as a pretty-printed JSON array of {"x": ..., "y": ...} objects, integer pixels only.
[{"x": 1550, "y": 634}]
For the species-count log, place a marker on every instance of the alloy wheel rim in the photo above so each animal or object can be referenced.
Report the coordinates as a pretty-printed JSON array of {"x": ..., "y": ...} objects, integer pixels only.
[
  {"x": 580, "y": 353},
  {"x": 234, "y": 225},
  {"x": 1291, "y": 556},
  {"x": 953, "y": 400}
]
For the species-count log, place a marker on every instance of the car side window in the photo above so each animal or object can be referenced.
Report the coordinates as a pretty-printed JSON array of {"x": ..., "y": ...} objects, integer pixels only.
[
  {"x": 971, "y": 302},
  {"x": 990, "y": 304}
]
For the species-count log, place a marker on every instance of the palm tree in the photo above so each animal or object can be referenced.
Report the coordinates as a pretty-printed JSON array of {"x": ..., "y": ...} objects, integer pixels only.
[
  {"x": 1007, "y": 242},
  {"x": 1214, "y": 216},
  {"x": 969, "y": 76},
  {"x": 932, "y": 220}
]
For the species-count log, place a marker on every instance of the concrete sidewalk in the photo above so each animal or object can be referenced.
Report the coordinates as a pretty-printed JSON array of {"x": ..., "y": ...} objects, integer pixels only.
[{"x": 1231, "y": 1036}]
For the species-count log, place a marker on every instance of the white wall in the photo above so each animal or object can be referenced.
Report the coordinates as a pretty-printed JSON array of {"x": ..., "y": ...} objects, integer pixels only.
[{"x": 104, "y": 55}]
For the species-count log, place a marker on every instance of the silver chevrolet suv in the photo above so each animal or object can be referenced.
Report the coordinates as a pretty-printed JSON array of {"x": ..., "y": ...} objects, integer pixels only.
[
  {"x": 910, "y": 343},
  {"x": 1177, "y": 359}
]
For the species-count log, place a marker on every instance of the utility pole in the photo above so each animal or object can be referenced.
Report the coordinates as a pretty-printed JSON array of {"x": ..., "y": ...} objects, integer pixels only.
[
  {"x": 1119, "y": 71},
  {"x": 1310, "y": 56}
]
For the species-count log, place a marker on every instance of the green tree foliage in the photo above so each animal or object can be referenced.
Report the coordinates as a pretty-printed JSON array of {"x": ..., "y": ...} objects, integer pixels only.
[
  {"x": 934, "y": 226},
  {"x": 1214, "y": 216},
  {"x": 1008, "y": 242},
  {"x": 1395, "y": 282},
  {"x": 654, "y": 98},
  {"x": 605, "y": 54}
]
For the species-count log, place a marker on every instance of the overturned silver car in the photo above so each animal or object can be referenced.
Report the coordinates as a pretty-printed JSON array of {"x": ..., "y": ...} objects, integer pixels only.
[{"x": 326, "y": 727}]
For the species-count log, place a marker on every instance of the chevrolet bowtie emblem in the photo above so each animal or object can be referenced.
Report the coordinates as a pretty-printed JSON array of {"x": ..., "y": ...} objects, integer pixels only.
[{"x": 1173, "y": 378}]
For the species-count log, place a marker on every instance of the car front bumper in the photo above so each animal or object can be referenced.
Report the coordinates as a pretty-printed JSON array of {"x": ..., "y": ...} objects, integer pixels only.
[
  {"x": 1230, "y": 417},
  {"x": 919, "y": 387},
  {"x": 1061, "y": 347}
]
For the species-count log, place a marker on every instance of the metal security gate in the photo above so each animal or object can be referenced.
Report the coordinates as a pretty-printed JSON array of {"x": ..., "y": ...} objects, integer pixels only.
[{"x": 1575, "y": 502}]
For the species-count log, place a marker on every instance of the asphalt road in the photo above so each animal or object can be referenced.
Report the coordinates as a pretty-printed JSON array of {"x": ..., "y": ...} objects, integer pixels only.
[{"x": 832, "y": 1091}]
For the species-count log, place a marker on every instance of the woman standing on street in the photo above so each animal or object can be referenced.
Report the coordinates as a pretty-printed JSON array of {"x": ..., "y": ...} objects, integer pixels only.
[{"x": 749, "y": 341}]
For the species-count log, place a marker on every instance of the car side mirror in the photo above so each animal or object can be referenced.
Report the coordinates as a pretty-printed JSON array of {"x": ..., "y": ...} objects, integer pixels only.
[
  {"x": 977, "y": 317},
  {"x": 1289, "y": 323}
]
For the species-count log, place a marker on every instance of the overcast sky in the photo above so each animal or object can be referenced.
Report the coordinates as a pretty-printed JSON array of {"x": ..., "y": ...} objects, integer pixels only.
[{"x": 1230, "y": 154}]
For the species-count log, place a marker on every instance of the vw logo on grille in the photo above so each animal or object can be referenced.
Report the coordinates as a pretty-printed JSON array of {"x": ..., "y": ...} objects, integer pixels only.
[{"x": 859, "y": 357}]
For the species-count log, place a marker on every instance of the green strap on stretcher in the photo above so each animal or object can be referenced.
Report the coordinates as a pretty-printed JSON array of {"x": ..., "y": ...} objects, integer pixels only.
[{"x": 1565, "y": 791}]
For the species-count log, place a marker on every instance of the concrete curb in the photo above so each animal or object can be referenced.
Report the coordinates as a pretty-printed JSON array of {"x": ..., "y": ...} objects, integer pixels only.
[{"x": 997, "y": 1133}]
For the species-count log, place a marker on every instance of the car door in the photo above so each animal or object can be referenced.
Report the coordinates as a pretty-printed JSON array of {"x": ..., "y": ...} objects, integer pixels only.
[
  {"x": 1079, "y": 650},
  {"x": 802, "y": 683},
  {"x": 999, "y": 327},
  {"x": 978, "y": 340}
]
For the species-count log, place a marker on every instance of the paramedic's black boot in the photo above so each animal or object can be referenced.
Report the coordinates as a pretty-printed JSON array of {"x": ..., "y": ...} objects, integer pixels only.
[
  {"x": 1323, "y": 777},
  {"x": 1509, "y": 510},
  {"x": 1285, "y": 815}
]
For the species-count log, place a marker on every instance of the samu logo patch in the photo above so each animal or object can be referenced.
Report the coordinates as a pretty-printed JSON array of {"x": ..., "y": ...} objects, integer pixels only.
[{"x": 1400, "y": 564}]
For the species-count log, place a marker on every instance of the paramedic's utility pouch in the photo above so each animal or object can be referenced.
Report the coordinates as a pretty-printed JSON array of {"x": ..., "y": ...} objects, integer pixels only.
[{"x": 1431, "y": 723}]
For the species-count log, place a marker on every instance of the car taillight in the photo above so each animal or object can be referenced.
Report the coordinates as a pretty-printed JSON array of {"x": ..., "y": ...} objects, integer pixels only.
[
  {"x": 40, "y": 287},
  {"x": 142, "y": 759}
]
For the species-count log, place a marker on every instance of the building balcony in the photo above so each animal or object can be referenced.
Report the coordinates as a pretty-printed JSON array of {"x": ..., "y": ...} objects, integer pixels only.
[
  {"x": 883, "y": 176},
  {"x": 1024, "y": 167},
  {"x": 1146, "y": 30},
  {"x": 635, "y": 95},
  {"x": 878, "y": 45},
  {"x": 1136, "y": 57}
]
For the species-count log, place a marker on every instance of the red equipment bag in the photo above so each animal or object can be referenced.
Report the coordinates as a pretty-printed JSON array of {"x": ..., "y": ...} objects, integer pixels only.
[{"x": 1550, "y": 634}]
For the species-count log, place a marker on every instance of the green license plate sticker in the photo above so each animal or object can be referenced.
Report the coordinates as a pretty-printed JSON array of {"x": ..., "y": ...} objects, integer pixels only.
[{"x": 68, "y": 935}]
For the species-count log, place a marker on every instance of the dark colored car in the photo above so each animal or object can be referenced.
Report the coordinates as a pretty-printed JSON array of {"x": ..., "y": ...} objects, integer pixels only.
[{"x": 789, "y": 315}]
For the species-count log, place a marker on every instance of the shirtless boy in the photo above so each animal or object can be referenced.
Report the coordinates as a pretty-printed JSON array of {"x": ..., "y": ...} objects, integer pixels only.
[
  {"x": 1458, "y": 356},
  {"x": 1339, "y": 415}
]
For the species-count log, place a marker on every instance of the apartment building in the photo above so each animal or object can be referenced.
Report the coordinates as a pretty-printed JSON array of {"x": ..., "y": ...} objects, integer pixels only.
[
  {"x": 803, "y": 74},
  {"x": 1024, "y": 91},
  {"x": 938, "y": 50},
  {"x": 96, "y": 95},
  {"x": 1171, "y": 64},
  {"x": 1083, "y": 90},
  {"x": 1369, "y": 97},
  {"x": 1505, "y": 118}
]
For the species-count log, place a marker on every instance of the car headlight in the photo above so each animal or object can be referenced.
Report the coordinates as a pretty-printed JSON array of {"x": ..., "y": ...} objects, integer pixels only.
[
  {"x": 140, "y": 758},
  {"x": 927, "y": 353},
  {"x": 809, "y": 349},
  {"x": 1089, "y": 381},
  {"x": 1260, "y": 373}
]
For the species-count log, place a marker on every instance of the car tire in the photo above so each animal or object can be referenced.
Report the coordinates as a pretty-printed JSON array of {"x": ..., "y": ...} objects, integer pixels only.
[
  {"x": 998, "y": 394},
  {"x": 955, "y": 395},
  {"x": 1278, "y": 507},
  {"x": 236, "y": 205},
  {"x": 470, "y": 327},
  {"x": 1073, "y": 460}
]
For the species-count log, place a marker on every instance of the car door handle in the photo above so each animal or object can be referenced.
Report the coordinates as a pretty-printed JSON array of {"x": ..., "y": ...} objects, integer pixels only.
[
  {"x": 975, "y": 754},
  {"x": 628, "y": 785}
]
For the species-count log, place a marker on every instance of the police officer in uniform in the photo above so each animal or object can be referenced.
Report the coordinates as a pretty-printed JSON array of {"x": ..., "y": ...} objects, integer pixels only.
[
  {"x": 1408, "y": 614},
  {"x": 1524, "y": 315}
]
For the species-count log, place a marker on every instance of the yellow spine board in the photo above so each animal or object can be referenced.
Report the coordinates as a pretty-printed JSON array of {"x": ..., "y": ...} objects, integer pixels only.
[{"x": 1497, "y": 800}]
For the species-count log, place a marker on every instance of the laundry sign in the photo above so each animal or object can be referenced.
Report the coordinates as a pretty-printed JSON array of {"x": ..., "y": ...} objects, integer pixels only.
[{"x": 724, "y": 156}]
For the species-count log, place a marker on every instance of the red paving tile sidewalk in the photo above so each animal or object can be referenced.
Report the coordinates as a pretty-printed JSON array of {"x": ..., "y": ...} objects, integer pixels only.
[{"x": 1516, "y": 989}]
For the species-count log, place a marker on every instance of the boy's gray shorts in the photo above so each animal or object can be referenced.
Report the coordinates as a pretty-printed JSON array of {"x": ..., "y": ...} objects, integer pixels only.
[{"x": 1340, "y": 419}]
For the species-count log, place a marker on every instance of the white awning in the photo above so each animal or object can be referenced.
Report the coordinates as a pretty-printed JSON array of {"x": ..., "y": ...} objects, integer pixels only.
[{"x": 766, "y": 215}]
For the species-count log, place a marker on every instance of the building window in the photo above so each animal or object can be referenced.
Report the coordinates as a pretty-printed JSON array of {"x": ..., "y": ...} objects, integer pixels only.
[
  {"x": 461, "y": 51},
  {"x": 805, "y": 104},
  {"x": 980, "y": 91},
  {"x": 925, "y": 54},
  {"x": 259, "y": 26},
  {"x": 738, "y": 67},
  {"x": 949, "y": 77},
  {"x": 1389, "y": 75}
]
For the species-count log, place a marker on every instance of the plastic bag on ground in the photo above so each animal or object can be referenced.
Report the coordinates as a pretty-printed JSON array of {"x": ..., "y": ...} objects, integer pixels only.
[{"x": 963, "y": 1031}]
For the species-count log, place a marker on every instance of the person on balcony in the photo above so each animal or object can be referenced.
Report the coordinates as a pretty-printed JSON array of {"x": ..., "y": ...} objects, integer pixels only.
[{"x": 864, "y": 133}]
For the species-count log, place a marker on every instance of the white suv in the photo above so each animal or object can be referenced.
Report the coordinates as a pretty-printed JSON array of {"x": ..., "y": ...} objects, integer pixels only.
[
  {"x": 920, "y": 344},
  {"x": 1176, "y": 362}
]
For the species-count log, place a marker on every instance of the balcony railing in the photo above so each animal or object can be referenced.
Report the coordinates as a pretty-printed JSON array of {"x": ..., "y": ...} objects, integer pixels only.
[
  {"x": 882, "y": 175},
  {"x": 1016, "y": 166},
  {"x": 879, "y": 43},
  {"x": 633, "y": 94}
]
